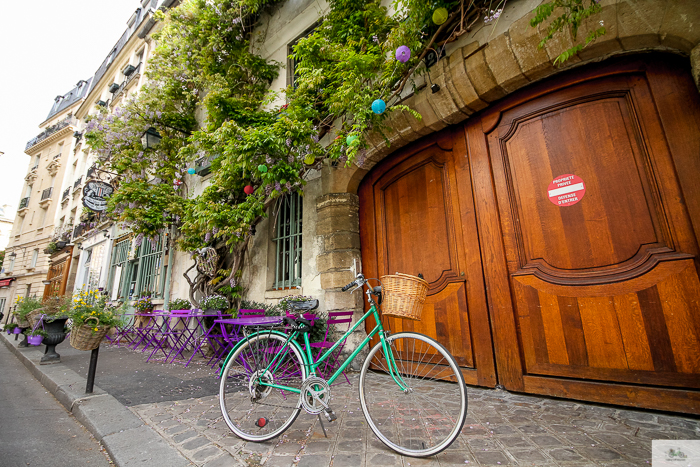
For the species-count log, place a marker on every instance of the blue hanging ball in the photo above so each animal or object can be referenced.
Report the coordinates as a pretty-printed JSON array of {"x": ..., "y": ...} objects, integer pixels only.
[
  {"x": 190, "y": 171},
  {"x": 378, "y": 106}
]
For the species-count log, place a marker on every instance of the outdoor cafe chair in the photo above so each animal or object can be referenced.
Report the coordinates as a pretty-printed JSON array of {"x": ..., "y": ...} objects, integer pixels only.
[
  {"x": 335, "y": 318},
  {"x": 171, "y": 331}
]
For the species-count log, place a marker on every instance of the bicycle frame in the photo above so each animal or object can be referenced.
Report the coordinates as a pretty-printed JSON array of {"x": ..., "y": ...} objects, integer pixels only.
[{"x": 308, "y": 358}]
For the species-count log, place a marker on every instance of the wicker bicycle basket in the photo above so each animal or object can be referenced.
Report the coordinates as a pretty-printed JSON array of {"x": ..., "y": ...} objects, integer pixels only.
[
  {"x": 404, "y": 296},
  {"x": 84, "y": 337}
]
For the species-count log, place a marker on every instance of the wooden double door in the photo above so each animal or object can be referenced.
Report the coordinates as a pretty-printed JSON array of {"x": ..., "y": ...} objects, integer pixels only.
[{"x": 558, "y": 232}]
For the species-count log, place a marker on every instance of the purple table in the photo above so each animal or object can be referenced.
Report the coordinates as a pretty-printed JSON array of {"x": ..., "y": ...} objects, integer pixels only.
[{"x": 238, "y": 324}]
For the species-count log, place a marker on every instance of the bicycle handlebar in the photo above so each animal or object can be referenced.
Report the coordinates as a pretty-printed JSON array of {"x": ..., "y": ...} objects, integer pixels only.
[{"x": 351, "y": 284}]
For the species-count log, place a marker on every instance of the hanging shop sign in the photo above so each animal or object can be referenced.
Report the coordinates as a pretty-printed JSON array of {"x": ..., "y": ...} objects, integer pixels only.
[
  {"x": 566, "y": 190},
  {"x": 95, "y": 194}
]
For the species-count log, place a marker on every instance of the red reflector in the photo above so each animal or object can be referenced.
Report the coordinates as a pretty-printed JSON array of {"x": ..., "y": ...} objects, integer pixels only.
[{"x": 262, "y": 421}]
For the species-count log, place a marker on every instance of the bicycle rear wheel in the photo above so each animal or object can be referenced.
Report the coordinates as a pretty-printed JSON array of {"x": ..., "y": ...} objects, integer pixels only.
[
  {"x": 427, "y": 417},
  {"x": 257, "y": 412}
]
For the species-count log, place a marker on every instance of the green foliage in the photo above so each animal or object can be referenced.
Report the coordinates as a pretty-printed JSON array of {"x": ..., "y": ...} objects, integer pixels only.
[
  {"x": 36, "y": 332},
  {"x": 214, "y": 302},
  {"x": 180, "y": 304},
  {"x": 567, "y": 14},
  {"x": 25, "y": 305},
  {"x": 90, "y": 307}
]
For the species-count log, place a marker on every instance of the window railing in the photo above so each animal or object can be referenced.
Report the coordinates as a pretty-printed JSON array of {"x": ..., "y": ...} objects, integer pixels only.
[
  {"x": 49, "y": 131},
  {"x": 35, "y": 167},
  {"x": 65, "y": 194},
  {"x": 288, "y": 241},
  {"x": 24, "y": 203},
  {"x": 46, "y": 194},
  {"x": 77, "y": 183},
  {"x": 91, "y": 172},
  {"x": 126, "y": 82}
]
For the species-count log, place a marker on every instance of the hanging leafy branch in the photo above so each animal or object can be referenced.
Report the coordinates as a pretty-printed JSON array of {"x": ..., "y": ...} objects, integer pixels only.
[{"x": 208, "y": 97}]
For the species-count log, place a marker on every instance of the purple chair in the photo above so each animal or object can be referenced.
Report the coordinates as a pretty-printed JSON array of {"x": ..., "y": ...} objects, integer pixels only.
[
  {"x": 170, "y": 333},
  {"x": 331, "y": 363}
]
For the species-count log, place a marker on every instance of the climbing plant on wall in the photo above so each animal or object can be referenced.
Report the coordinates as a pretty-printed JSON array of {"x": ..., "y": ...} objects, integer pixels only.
[{"x": 208, "y": 97}]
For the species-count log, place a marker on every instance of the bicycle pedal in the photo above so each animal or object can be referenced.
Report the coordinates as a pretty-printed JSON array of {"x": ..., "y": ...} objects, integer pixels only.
[{"x": 330, "y": 415}]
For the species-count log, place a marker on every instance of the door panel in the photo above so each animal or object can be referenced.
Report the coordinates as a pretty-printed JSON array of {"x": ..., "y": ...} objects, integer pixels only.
[
  {"x": 413, "y": 218},
  {"x": 605, "y": 289}
]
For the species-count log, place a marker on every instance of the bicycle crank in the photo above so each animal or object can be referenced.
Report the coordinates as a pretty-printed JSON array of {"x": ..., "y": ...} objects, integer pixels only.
[{"x": 315, "y": 395}]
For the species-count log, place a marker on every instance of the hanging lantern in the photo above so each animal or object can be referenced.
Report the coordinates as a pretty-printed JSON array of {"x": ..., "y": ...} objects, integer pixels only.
[
  {"x": 378, "y": 106},
  {"x": 262, "y": 168},
  {"x": 309, "y": 159},
  {"x": 403, "y": 54},
  {"x": 440, "y": 16},
  {"x": 191, "y": 171},
  {"x": 248, "y": 190},
  {"x": 351, "y": 139}
]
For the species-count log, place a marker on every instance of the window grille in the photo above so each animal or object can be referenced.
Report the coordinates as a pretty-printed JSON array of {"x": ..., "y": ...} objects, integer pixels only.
[
  {"x": 2, "y": 304},
  {"x": 151, "y": 265},
  {"x": 120, "y": 258},
  {"x": 288, "y": 241},
  {"x": 292, "y": 64}
]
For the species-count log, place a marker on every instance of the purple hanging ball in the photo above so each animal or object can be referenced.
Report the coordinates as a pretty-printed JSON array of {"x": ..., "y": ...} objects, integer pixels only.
[{"x": 403, "y": 54}]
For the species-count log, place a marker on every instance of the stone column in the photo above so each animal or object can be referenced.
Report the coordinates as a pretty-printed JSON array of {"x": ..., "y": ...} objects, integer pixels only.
[{"x": 339, "y": 228}]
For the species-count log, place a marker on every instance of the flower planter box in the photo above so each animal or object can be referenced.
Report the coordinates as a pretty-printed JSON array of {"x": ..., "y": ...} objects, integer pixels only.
[{"x": 35, "y": 340}]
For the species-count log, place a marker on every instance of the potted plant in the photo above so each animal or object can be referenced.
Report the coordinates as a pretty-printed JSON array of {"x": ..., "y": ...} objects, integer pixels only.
[
  {"x": 24, "y": 306},
  {"x": 214, "y": 303},
  {"x": 91, "y": 319},
  {"x": 35, "y": 336},
  {"x": 143, "y": 304},
  {"x": 10, "y": 327},
  {"x": 179, "y": 305}
]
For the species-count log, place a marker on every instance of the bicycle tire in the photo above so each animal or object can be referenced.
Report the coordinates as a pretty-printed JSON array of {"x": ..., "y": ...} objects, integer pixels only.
[
  {"x": 425, "y": 420},
  {"x": 243, "y": 403}
]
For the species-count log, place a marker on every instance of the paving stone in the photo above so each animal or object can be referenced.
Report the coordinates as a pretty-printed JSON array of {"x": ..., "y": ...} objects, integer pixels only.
[
  {"x": 317, "y": 447},
  {"x": 168, "y": 423},
  {"x": 195, "y": 443},
  {"x": 179, "y": 428},
  {"x": 515, "y": 442},
  {"x": 529, "y": 455},
  {"x": 565, "y": 455},
  {"x": 227, "y": 460},
  {"x": 503, "y": 430},
  {"x": 287, "y": 448},
  {"x": 350, "y": 446},
  {"x": 206, "y": 453},
  {"x": 545, "y": 440},
  {"x": 347, "y": 460},
  {"x": 280, "y": 461},
  {"x": 184, "y": 436},
  {"x": 599, "y": 453},
  {"x": 492, "y": 458},
  {"x": 382, "y": 459},
  {"x": 480, "y": 444},
  {"x": 528, "y": 429},
  {"x": 578, "y": 439}
]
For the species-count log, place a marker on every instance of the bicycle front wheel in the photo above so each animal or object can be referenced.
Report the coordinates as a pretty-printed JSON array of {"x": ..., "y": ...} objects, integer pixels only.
[
  {"x": 426, "y": 416},
  {"x": 255, "y": 411}
]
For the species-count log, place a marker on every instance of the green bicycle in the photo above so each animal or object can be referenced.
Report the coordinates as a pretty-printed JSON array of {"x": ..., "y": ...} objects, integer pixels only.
[{"x": 412, "y": 392}]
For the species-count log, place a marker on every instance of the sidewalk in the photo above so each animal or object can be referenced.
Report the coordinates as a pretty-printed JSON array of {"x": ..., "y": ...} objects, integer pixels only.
[{"x": 171, "y": 415}]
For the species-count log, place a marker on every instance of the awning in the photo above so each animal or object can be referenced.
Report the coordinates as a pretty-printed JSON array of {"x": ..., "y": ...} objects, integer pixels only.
[{"x": 6, "y": 282}]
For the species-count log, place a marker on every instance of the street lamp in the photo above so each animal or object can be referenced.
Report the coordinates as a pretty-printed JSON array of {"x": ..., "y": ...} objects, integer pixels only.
[{"x": 150, "y": 138}]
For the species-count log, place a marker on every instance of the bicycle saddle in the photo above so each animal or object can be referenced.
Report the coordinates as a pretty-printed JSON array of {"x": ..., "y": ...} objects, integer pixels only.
[{"x": 306, "y": 305}]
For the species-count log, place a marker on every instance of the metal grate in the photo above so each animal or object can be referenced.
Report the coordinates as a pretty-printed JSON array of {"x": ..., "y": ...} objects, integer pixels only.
[
  {"x": 288, "y": 241},
  {"x": 77, "y": 182},
  {"x": 46, "y": 194},
  {"x": 24, "y": 203}
]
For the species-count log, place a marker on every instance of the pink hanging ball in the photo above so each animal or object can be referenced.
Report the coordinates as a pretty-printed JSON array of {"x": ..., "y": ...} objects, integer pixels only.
[
  {"x": 248, "y": 190},
  {"x": 403, "y": 54}
]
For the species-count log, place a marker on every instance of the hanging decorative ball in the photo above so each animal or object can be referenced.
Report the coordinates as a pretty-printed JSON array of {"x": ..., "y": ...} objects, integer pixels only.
[
  {"x": 191, "y": 171},
  {"x": 378, "y": 106},
  {"x": 351, "y": 139},
  {"x": 309, "y": 159},
  {"x": 403, "y": 54},
  {"x": 262, "y": 168},
  {"x": 440, "y": 16},
  {"x": 248, "y": 190}
]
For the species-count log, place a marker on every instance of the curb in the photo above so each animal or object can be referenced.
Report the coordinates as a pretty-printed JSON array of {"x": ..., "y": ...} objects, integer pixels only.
[{"x": 126, "y": 438}]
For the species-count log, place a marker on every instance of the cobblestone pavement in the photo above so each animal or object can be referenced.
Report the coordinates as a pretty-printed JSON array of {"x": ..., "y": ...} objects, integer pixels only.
[{"x": 501, "y": 429}]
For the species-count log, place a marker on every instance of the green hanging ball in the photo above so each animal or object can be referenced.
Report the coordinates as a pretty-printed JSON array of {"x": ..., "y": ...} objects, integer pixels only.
[
  {"x": 262, "y": 168},
  {"x": 440, "y": 16},
  {"x": 309, "y": 159},
  {"x": 351, "y": 139}
]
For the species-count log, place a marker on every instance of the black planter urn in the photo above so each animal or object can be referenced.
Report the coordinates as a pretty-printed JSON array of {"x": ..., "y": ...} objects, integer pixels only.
[{"x": 54, "y": 329}]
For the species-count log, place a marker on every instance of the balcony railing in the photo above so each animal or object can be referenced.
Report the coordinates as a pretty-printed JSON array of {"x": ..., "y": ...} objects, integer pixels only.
[
  {"x": 35, "y": 167},
  {"x": 49, "y": 131},
  {"x": 24, "y": 203},
  {"x": 46, "y": 194},
  {"x": 65, "y": 194},
  {"x": 77, "y": 183},
  {"x": 126, "y": 82},
  {"x": 91, "y": 172}
]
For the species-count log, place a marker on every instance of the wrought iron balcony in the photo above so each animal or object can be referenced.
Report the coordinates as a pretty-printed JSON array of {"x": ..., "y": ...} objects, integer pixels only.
[
  {"x": 24, "y": 203},
  {"x": 49, "y": 131},
  {"x": 66, "y": 192},
  {"x": 91, "y": 172},
  {"x": 77, "y": 183},
  {"x": 35, "y": 167},
  {"x": 46, "y": 194},
  {"x": 129, "y": 78}
]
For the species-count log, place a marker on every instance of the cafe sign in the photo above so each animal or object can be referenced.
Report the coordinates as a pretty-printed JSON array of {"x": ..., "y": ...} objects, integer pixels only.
[{"x": 95, "y": 194}]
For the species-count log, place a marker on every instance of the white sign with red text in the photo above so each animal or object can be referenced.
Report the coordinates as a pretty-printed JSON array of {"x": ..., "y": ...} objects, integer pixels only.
[{"x": 566, "y": 190}]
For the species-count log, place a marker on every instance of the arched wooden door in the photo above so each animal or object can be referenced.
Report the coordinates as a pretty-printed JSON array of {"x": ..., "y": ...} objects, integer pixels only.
[
  {"x": 559, "y": 233},
  {"x": 417, "y": 217}
]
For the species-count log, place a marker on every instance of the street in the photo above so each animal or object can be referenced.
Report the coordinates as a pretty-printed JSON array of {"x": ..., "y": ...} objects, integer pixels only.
[{"x": 35, "y": 429}]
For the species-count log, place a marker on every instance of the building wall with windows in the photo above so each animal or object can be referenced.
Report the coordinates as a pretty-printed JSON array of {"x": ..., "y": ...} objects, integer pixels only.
[
  {"x": 34, "y": 227},
  {"x": 7, "y": 219}
]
